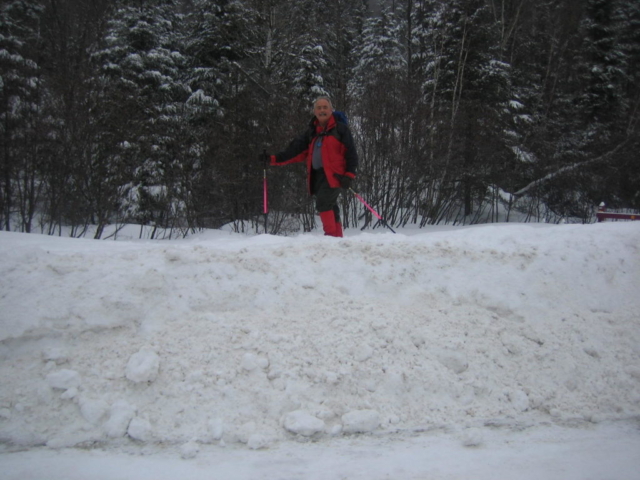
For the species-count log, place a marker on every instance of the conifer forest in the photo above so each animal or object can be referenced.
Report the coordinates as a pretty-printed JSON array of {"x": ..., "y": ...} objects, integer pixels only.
[{"x": 156, "y": 112}]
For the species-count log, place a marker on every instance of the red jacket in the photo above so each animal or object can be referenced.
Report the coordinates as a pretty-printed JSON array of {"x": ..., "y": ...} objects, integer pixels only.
[{"x": 339, "y": 154}]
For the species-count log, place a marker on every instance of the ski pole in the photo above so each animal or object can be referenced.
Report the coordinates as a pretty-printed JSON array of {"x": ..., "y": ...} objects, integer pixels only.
[
  {"x": 265, "y": 199},
  {"x": 384, "y": 222}
]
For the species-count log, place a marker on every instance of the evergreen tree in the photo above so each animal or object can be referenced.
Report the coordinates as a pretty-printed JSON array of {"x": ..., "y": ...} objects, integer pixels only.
[
  {"x": 580, "y": 130},
  {"x": 626, "y": 189},
  {"x": 380, "y": 54},
  {"x": 71, "y": 30},
  {"x": 21, "y": 134},
  {"x": 344, "y": 24},
  {"x": 388, "y": 128},
  {"x": 469, "y": 92},
  {"x": 143, "y": 102},
  {"x": 217, "y": 121},
  {"x": 601, "y": 102}
]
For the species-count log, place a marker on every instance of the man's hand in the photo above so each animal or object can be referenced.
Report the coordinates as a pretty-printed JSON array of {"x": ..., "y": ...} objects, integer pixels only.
[{"x": 345, "y": 181}]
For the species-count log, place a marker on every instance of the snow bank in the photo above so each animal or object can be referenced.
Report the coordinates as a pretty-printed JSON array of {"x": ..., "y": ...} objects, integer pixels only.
[{"x": 227, "y": 339}]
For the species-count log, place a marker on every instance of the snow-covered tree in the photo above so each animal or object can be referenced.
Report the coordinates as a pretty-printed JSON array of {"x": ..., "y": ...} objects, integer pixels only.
[
  {"x": 380, "y": 54},
  {"x": 344, "y": 24},
  {"x": 579, "y": 68},
  {"x": 155, "y": 111},
  {"x": 467, "y": 85},
  {"x": 143, "y": 100},
  {"x": 626, "y": 191},
  {"x": 21, "y": 134},
  {"x": 602, "y": 74}
]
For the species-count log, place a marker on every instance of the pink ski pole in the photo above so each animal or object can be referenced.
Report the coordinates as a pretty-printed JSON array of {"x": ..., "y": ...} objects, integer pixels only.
[
  {"x": 384, "y": 222},
  {"x": 265, "y": 199}
]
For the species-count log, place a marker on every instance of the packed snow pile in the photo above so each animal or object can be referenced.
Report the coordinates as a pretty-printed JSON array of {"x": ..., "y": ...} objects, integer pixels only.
[{"x": 224, "y": 338}]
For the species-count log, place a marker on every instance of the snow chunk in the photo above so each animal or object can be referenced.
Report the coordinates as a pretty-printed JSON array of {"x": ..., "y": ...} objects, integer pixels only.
[
  {"x": 360, "y": 421},
  {"x": 215, "y": 429},
  {"x": 519, "y": 399},
  {"x": 454, "y": 361},
  {"x": 68, "y": 440},
  {"x": 143, "y": 366},
  {"x": 121, "y": 414},
  {"x": 249, "y": 362},
  {"x": 56, "y": 355},
  {"x": 70, "y": 394},
  {"x": 258, "y": 441},
  {"x": 472, "y": 437},
  {"x": 189, "y": 450},
  {"x": 252, "y": 362},
  {"x": 303, "y": 423},
  {"x": 93, "y": 411},
  {"x": 363, "y": 353},
  {"x": 140, "y": 429},
  {"x": 64, "y": 379}
]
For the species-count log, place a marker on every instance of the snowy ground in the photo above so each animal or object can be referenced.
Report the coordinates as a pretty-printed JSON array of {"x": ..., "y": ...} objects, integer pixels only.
[{"x": 499, "y": 351}]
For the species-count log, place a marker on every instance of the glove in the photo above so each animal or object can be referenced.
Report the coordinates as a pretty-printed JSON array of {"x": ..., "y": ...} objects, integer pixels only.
[
  {"x": 345, "y": 181},
  {"x": 264, "y": 158}
]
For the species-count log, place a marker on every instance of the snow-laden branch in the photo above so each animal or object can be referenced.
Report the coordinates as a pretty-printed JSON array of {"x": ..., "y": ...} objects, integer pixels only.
[{"x": 568, "y": 168}]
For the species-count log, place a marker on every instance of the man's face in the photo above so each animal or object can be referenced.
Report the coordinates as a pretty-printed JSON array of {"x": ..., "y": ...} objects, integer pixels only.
[{"x": 322, "y": 110}]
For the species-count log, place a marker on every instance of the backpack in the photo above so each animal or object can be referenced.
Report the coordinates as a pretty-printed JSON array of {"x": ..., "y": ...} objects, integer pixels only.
[{"x": 341, "y": 117}]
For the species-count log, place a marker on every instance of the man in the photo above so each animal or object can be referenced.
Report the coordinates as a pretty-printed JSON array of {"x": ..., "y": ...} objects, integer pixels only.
[{"x": 328, "y": 149}]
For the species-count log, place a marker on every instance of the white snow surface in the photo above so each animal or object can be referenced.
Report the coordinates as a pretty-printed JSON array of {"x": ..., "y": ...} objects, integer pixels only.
[{"x": 497, "y": 351}]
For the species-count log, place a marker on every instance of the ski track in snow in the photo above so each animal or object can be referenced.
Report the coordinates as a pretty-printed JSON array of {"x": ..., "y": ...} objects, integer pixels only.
[{"x": 220, "y": 340}]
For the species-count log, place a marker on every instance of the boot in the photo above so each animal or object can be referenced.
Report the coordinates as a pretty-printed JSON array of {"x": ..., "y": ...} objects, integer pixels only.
[
  {"x": 336, "y": 214},
  {"x": 329, "y": 223}
]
